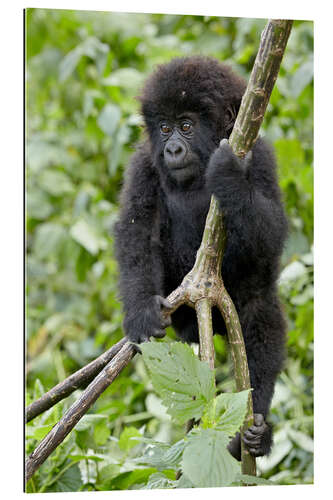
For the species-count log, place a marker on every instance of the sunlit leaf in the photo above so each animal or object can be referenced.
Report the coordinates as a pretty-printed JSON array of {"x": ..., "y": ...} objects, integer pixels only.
[
  {"x": 184, "y": 383},
  {"x": 206, "y": 460}
]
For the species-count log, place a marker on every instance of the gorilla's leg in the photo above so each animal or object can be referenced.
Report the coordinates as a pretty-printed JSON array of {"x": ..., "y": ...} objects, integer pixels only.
[{"x": 264, "y": 334}]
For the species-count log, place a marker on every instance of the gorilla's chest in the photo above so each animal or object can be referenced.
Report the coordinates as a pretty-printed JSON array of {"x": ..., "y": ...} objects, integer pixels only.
[{"x": 186, "y": 218}]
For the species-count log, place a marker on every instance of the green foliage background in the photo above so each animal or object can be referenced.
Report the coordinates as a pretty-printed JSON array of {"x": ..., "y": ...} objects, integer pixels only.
[{"x": 83, "y": 71}]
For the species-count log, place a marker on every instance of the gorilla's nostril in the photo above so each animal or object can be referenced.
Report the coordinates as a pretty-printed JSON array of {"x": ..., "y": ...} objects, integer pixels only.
[{"x": 175, "y": 148}]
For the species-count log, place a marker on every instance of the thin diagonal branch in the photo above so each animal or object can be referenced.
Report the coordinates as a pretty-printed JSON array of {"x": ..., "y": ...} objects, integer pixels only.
[
  {"x": 78, "y": 379},
  {"x": 79, "y": 408}
]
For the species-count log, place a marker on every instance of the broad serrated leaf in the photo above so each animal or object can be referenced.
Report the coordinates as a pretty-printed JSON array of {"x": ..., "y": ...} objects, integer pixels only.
[
  {"x": 162, "y": 456},
  {"x": 184, "y": 383},
  {"x": 159, "y": 481},
  {"x": 234, "y": 408},
  {"x": 206, "y": 460}
]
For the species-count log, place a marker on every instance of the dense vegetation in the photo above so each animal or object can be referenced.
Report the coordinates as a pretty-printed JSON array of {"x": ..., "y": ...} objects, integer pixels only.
[{"x": 83, "y": 71}]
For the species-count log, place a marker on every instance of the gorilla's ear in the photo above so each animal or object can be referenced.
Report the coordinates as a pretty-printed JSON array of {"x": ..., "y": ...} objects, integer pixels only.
[{"x": 230, "y": 117}]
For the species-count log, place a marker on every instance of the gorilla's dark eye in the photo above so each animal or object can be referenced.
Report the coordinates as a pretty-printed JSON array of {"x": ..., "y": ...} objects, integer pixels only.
[
  {"x": 186, "y": 127},
  {"x": 165, "y": 128}
]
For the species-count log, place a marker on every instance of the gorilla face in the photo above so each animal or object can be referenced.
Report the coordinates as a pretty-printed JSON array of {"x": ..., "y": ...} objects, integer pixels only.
[
  {"x": 188, "y": 106},
  {"x": 176, "y": 138},
  {"x": 184, "y": 147}
]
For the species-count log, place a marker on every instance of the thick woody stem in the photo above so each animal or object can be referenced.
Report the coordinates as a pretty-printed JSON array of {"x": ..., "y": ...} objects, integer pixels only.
[{"x": 204, "y": 316}]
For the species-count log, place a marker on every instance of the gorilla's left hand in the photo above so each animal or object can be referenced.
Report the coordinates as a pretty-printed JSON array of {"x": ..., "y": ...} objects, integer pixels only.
[
  {"x": 258, "y": 437},
  {"x": 224, "y": 157},
  {"x": 226, "y": 174}
]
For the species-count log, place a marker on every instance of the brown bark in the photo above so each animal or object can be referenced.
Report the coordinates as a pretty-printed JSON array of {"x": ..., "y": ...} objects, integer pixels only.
[{"x": 78, "y": 409}]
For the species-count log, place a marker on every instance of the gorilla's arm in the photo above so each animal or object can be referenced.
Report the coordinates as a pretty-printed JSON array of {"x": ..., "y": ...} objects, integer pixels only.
[
  {"x": 137, "y": 251},
  {"x": 249, "y": 197}
]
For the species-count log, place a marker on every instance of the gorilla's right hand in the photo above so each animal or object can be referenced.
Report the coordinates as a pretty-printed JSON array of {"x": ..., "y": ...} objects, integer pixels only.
[{"x": 148, "y": 321}]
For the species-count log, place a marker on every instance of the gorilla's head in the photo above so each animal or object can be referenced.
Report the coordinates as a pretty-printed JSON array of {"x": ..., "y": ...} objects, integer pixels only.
[{"x": 189, "y": 105}]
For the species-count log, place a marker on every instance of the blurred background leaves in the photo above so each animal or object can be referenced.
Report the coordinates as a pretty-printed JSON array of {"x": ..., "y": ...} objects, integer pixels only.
[{"x": 83, "y": 71}]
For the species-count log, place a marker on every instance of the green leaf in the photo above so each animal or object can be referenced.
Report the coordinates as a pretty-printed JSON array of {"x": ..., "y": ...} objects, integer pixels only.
[
  {"x": 69, "y": 63},
  {"x": 87, "y": 421},
  {"x": 85, "y": 234},
  {"x": 38, "y": 205},
  {"x": 55, "y": 182},
  {"x": 206, "y": 460},
  {"x": 70, "y": 480},
  {"x": 302, "y": 440},
  {"x": 38, "y": 389},
  {"x": 120, "y": 138},
  {"x": 127, "y": 479},
  {"x": 301, "y": 78},
  {"x": 162, "y": 456},
  {"x": 127, "y": 438},
  {"x": 184, "y": 383},
  {"x": 108, "y": 472},
  {"x": 233, "y": 408},
  {"x": 128, "y": 78},
  {"x": 41, "y": 431},
  {"x": 91, "y": 47},
  {"x": 304, "y": 297},
  {"x": 159, "y": 481},
  {"x": 246, "y": 479},
  {"x": 108, "y": 119},
  {"x": 281, "y": 447},
  {"x": 101, "y": 432},
  {"x": 49, "y": 237},
  {"x": 155, "y": 407},
  {"x": 292, "y": 272}
]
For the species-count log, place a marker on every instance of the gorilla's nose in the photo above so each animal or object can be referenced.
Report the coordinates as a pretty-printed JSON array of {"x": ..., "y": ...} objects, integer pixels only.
[{"x": 175, "y": 152}]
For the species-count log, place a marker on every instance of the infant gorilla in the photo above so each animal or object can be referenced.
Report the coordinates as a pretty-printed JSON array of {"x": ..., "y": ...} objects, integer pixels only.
[{"x": 189, "y": 105}]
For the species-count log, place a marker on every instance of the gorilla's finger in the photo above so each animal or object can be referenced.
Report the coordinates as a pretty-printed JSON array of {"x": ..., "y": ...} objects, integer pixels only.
[
  {"x": 166, "y": 304},
  {"x": 255, "y": 430},
  {"x": 252, "y": 442},
  {"x": 165, "y": 321},
  {"x": 137, "y": 348},
  {"x": 258, "y": 419},
  {"x": 158, "y": 333}
]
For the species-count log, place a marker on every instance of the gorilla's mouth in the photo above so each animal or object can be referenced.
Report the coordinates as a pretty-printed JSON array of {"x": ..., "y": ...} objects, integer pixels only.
[
  {"x": 187, "y": 162},
  {"x": 178, "y": 167}
]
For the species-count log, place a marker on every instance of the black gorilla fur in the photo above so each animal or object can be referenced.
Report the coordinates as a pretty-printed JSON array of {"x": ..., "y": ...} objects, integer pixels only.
[{"x": 189, "y": 105}]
